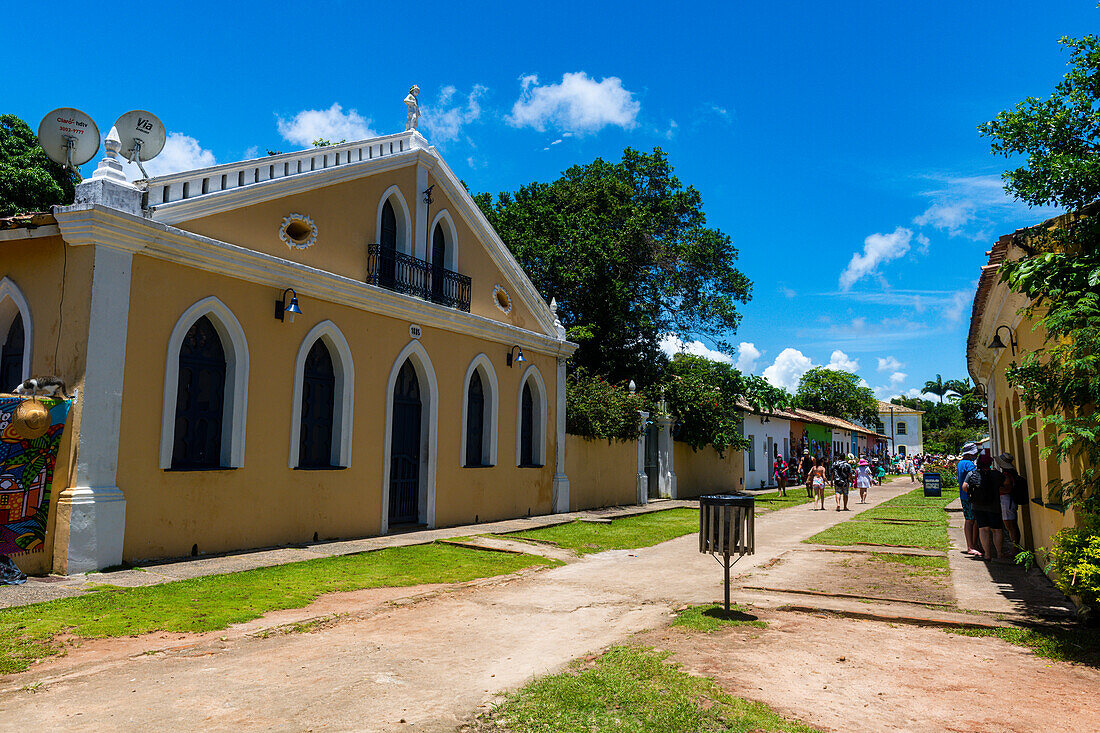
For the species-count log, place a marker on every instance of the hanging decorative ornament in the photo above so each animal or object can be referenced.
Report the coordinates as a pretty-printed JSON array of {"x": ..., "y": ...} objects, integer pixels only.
[{"x": 31, "y": 419}]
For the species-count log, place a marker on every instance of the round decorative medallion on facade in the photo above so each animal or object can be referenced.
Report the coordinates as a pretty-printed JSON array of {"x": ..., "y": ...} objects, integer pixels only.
[
  {"x": 502, "y": 299},
  {"x": 298, "y": 231}
]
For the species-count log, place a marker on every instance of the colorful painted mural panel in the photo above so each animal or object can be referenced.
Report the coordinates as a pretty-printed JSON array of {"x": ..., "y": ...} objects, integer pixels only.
[{"x": 30, "y": 435}]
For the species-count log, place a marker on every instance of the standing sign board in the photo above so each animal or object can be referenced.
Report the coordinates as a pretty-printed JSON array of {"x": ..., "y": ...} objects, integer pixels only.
[{"x": 932, "y": 484}]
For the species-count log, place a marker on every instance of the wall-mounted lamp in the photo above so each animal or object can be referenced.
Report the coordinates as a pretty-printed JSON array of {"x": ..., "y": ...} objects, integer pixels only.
[
  {"x": 519, "y": 359},
  {"x": 996, "y": 343},
  {"x": 288, "y": 309}
]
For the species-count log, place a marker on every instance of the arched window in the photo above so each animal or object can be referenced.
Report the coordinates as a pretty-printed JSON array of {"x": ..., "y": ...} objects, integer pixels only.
[
  {"x": 475, "y": 421},
  {"x": 200, "y": 396},
  {"x": 318, "y": 406},
  {"x": 387, "y": 238},
  {"x": 11, "y": 356},
  {"x": 527, "y": 428},
  {"x": 439, "y": 259}
]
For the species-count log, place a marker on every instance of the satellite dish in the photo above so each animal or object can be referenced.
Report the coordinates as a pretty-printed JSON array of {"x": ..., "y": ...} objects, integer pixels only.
[
  {"x": 142, "y": 135},
  {"x": 69, "y": 137}
]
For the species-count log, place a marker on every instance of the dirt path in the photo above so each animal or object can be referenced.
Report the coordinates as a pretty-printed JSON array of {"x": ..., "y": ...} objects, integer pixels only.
[
  {"x": 430, "y": 663},
  {"x": 845, "y": 675}
]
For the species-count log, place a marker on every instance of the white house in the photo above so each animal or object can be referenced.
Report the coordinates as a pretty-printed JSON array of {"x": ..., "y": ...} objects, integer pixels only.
[
  {"x": 902, "y": 427},
  {"x": 769, "y": 435}
]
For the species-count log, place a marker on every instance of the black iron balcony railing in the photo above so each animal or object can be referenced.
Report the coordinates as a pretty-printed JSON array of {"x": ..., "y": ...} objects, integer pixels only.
[{"x": 404, "y": 273}]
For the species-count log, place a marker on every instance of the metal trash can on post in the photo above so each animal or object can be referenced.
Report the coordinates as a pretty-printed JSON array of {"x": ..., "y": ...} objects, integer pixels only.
[{"x": 727, "y": 526}]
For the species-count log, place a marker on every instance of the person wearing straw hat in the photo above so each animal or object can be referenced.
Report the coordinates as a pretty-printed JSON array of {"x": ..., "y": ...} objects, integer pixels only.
[
  {"x": 1007, "y": 464},
  {"x": 863, "y": 479}
]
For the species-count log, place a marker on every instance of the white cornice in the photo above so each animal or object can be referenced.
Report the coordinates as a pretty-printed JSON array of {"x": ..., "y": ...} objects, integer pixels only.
[
  {"x": 193, "y": 250},
  {"x": 83, "y": 224}
]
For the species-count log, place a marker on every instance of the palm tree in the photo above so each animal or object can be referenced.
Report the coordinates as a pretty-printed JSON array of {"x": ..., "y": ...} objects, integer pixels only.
[
  {"x": 958, "y": 388},
  {"x": 937, "y": 388}
]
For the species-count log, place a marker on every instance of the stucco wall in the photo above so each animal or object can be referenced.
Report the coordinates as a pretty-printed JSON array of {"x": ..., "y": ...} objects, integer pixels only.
[
  {"x": 265, "y": 502},
  {"x": 705, "y": 472},
  {"x": 58, "y": 344},
  {"x": 776, "y": 429},
  {"x": 601, "y": 472}
]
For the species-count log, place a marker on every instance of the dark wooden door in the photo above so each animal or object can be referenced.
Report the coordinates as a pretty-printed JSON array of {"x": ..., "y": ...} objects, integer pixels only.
[
  {"x": 11, "y": 359},
  {"x": 652, "y": 462},
  {"x": 200, "y": 397},
  {"x": 475, "y": 421},
  {"x": 405, "y": 448},
  {"x": 387, "y": 252},
  {"x": 318, "y": 402},
  {"x": 439, "y": 256}
]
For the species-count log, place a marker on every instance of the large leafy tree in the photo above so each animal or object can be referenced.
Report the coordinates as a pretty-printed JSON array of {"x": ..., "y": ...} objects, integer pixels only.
[
  {"x": 1059, "y": 384},
  {"x": 29, "y": 181},
  {"x": 837, "y": 393},
  {"x": 625, "y": 249}
]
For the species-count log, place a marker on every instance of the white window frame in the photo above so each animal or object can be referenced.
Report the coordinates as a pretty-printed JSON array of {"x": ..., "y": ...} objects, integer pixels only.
[
  {"x": 538, "y": 429},
  {"x": 344, "y": 398},
  {"x": 900, "y": 428},
  {"x": 235, "y": 403},
  {"x": 491, "y": 410},
  {"x": 404, "y": 220},
  {"x": 13, "y": 301}
]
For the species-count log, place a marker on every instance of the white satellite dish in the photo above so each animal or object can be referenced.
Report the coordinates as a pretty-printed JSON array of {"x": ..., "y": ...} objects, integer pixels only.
[
  {"x": 142, "y": 135},
  {"x": 69, "y": 137}
]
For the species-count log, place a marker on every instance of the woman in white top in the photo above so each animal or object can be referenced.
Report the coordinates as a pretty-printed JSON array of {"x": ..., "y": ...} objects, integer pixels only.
[{"x": 863, "y": 479}]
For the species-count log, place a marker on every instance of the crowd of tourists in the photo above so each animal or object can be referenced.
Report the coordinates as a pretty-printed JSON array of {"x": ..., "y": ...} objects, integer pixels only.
[
  {"x": 991, "y": 491},
  {"x": 818, "y": 472}
]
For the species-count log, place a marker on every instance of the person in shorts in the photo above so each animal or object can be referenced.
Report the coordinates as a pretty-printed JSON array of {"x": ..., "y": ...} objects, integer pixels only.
[
  {"x": 842, "y": 481},
  {"x": 970, "y": 528},
  {"x": 1007, "y": 464},
  {"x": 804, "y": 469},
  {"x": 984, "y": 487},
  {"x": 816, "y": 480}
]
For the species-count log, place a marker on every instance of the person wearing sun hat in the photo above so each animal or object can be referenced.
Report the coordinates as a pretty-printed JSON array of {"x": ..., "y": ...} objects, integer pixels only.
[
  {"x": 1007, "y": 464},
  {"x": 970, "y": 531},
  {"x": 863, "y": 479}
]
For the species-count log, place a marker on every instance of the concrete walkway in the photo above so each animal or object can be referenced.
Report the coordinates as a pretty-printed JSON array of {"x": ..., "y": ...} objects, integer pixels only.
[{"x": 424, "y": 664}]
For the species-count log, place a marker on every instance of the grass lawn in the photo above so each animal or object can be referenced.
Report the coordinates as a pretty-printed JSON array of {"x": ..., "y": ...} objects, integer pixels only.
[
  {"x": 216, "y": 601},
  {"x": 625, "y": 533},
  {"x": 772, "y": 501},
  {"x": 632, "y": 689},
  {"x": 1078, "y": 646},
  {"x": 714, "y": 616},
  {"x": 931, "y": 534}
]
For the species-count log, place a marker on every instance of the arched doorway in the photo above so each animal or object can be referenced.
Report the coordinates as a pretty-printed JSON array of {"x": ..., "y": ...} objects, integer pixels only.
[
  {"x": 388, "y": 241},
  {"x": 318, "y": 407},
  {"x": 11, "y": 356},
  {"x": 439, "y": 256},
  {"x": 405, "y": 447}
]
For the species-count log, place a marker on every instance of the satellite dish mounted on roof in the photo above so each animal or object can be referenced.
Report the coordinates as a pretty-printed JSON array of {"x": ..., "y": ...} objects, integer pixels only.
[
  {"x": 69, "y": 137},
  {"x": 142, "y": 135}
]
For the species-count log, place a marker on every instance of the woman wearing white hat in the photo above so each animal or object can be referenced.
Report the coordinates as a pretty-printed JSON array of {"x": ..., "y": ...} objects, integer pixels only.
[{"x": 1007, "y": 464}]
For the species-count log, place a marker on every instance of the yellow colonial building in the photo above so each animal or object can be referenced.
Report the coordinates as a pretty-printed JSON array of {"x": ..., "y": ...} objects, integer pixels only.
[
  {"x": 322, "y": 344},
  {"x": 1000, "y": 335}
]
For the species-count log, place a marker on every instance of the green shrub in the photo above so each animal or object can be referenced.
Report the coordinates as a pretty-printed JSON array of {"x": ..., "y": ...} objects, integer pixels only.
[
  {"x": 1075, "y": 557},
  {"x": 948, "y": 476},
  {"x": 595, "y": 408}
]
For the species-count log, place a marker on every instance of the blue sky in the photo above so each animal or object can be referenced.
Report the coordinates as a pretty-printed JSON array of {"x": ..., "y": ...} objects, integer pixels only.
[{"x": 835, "y": 142}]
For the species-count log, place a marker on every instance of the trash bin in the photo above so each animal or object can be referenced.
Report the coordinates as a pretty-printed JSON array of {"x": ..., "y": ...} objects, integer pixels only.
[{"x": 727, "y": 527}]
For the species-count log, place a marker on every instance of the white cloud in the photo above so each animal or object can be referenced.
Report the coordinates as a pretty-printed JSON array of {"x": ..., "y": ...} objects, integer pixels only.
[
  {"x": 672, "y": 346},
  {"x": 877, "y": 249},
  {"x": 331, "y": 124},
  {"x": 672, "y": 127},
  {"x": 787, "y": 292},
  {"x": 914, "y": 392},
  {"x": 181, "y": 153},
  {"x": 973, "y": 206},
  {"x": 788, "y": 368},
  {"x": 443, "y": 121},
  {"x": 578, "y": 104},
  {"x": 953, "y": 311},
  {"x": 839, "y": 361},
  {"x": 951, "y": 217},
  {"x": 897, "y": 378},
  {"x": 889, "y": 364},
  {"x": 747, "y": 356}
]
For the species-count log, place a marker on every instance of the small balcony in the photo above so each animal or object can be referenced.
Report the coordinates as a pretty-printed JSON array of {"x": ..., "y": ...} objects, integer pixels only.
[{"x": 404, "y": 273}]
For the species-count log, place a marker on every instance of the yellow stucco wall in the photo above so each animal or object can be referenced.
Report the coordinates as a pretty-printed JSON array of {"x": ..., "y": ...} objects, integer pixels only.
[
  {"x": 601, "y": 473},
  {"x": 346, "y": 217},
  {"x": 265, "y": 502},
  {"x": 705, "y": 472},
  {"x": 60, "y": 326}
]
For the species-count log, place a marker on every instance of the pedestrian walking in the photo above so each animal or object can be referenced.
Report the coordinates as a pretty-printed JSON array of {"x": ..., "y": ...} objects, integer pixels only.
[
  {"x": 863, "y": 479},
  {"x": 842, "y": 481},
  {"x": 779, "y": 471},
  {"x": 804, "y": 469},
  {"x": 880, "y": 473},
  {"x": 817, "y": 479}
]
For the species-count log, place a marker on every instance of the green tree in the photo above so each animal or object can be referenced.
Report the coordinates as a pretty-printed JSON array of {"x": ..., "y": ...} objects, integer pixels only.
[
  {"x": 29, "y": 181},
  {"x": 936, "y": 387},
  {"x": 1059, "y": 383},
  {"x": 625, "y": 250},
  {"x": 838, "y": 394}
]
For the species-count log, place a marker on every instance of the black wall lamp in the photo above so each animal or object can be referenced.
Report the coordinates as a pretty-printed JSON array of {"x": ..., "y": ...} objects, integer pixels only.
[
  {"x": 282, "y": 308},
  {"x": 519, "y": 359},
  {"x": 996, "y": 343}
]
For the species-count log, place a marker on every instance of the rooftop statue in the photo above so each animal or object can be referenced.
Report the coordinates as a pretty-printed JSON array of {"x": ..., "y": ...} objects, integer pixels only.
[{"x": 412, "y": 116}]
